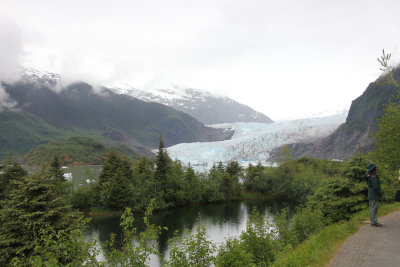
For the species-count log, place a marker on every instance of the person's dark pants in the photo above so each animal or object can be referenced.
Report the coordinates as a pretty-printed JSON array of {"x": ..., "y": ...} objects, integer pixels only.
[{"x": 373, "y": 211}]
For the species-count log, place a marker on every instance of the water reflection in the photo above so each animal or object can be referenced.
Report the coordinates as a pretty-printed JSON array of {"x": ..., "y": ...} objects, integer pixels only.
[{"x": 222, "y": 220}]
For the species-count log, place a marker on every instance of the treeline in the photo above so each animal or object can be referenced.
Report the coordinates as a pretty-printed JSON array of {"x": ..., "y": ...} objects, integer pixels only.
[
  {"x": 38, "y": 225},
  {"x": 124, "y": 184},
  {"x": 293, "y": 180}
]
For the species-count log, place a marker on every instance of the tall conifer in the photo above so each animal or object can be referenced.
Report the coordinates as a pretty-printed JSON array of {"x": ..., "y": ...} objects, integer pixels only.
[
  {"x": 115, "y": 182},
  {"x": 162, "y": 167}
]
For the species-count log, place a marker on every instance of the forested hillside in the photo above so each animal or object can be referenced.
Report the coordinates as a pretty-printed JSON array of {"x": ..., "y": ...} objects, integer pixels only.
[{"x": 42, "y": 115}]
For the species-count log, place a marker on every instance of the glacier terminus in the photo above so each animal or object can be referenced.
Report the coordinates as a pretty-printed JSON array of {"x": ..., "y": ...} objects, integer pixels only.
[{"x": 253, "y": 142}]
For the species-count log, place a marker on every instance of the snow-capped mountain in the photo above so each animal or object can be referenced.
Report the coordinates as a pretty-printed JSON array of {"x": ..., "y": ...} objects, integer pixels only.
[
  {"x": 206, "y": 107},
  {"x": 40, "y": 78},
  {"x": 253, "y": 142}
]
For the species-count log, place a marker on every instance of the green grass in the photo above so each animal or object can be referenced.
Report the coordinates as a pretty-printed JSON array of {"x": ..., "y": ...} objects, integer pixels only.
[{"x": 320, "y": 248}]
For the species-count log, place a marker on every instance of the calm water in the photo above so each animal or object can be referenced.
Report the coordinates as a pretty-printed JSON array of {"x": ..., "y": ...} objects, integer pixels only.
[{"x": 222, "y": 220}]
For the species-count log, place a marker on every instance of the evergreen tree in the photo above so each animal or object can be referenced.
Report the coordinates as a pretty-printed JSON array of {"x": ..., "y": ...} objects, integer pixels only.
[
  {"x": 193, "y": 187},
  {"x": 212, "y": 186},
  {"x": 230, "y": 181},
  {"x": 121, "y": 191},
  {"x": 355, "y": 168},
  {"x": 345, "y": 198},
  {"x": 34, "y": 204},
  {"x": 347, "y": 192},
  {"x": 227, "y": 186},
  {"x": 113, "y": 163},
  {"x": 230, "y": 186},
  {"x": 115, "y": 184},
  {"x": 144, "y": 166},
  {"x": 213, "y": 169},
  {"x": 11, "y": 172},
  {"x": 253, "y": 179},
  {"x": 55, "y": 170},
  {"x": 143, "y": 183},
  {"x": 190, "y": 174},
  {"x": 162, "y": 168},
  {"x": 220, "y": 167},
  {"x": 174, "y": 189},
  {"x": 233, "y": 168}
]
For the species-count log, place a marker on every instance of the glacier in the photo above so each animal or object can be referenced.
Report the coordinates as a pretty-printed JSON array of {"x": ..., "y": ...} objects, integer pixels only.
[{"x": 253, "y": 142}]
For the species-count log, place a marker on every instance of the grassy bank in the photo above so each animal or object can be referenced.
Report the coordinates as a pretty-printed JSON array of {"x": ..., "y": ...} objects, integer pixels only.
[{"x": 320, "y": 248}]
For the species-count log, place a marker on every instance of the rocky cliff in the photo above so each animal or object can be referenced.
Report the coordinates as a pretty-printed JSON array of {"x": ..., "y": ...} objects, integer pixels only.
[{"x": 356, "y": 133}]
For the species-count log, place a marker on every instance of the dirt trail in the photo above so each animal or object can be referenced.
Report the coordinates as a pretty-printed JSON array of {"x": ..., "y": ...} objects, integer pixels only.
[{"x": 372, "y": 246}]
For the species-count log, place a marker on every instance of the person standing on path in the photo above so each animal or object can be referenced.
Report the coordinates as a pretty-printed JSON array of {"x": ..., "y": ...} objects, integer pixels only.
[{"x": 374, "y": 193}]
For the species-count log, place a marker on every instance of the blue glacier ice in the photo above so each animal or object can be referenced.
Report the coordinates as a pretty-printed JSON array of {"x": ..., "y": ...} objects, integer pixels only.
[{"x": 253, "y": 142}]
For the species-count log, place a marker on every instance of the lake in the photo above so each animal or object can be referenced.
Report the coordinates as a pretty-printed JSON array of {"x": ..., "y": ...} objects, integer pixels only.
[{"x": 222, "y": 220}]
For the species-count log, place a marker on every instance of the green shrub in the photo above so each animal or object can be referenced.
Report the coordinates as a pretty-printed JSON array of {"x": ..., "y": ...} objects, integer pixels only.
[
  {"x": 83, "y": 198},
  {"x": 65, "y": 247},
  {"x": 232, "y": 253},
  {"x": 132, "y": 254},
  {"x": 339, "y": 198},
  {"x": 192, "y": 249},
  {"x": 305, "y": 222}
]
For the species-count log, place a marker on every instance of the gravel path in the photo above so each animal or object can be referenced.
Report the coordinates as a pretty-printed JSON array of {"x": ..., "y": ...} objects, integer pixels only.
[{"x": 372, "y": 246}]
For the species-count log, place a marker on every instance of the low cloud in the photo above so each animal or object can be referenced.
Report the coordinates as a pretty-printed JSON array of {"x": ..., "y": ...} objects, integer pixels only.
[
  {"x": 5, "y": 101},
  {"x": 10, "y": 53}
]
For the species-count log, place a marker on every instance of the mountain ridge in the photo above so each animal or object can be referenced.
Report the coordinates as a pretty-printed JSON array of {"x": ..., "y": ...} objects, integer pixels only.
[
  {"x": 204, "y": 106},
  {"x": 42, "y": 114},
  {"x": 361, "y": 123},
  {"x": 208, "y": 108}
]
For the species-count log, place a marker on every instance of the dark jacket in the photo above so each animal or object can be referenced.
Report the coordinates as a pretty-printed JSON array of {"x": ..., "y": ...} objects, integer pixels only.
[{"x": 374, "y": 188}]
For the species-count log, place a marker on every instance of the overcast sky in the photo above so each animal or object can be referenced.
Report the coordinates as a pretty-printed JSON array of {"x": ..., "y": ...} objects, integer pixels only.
[{"x": 284, "y": 58}]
